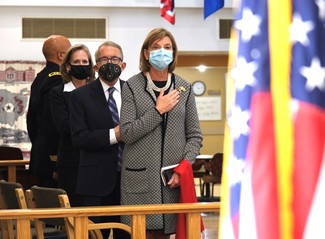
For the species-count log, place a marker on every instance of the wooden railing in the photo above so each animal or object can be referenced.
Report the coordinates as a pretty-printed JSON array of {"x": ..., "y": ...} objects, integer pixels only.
[
  {"x": 137, "y": 212},
  {"x": 11, "y": 165}
]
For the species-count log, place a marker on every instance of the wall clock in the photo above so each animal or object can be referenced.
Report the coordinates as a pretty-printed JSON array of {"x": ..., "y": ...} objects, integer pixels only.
[{"x": 198, "y": 87}]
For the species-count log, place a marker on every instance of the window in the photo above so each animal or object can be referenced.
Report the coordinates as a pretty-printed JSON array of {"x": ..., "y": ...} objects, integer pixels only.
[
  {"x": 10, "y": 76},
  {"x": 89, "y": 28},
  {"x": 225, "y": 28}
]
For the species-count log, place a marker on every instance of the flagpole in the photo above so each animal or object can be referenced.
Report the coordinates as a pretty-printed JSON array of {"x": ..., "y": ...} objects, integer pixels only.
[
  {"x": 224, "y": 230},
  {"x": 280, "y": 60}
]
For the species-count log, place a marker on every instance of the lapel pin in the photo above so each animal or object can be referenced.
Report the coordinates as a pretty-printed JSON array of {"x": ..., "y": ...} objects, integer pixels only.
[{"x": 181, "y": 89}]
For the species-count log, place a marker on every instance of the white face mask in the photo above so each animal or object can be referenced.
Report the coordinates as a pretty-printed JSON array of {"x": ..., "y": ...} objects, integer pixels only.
[{"x": 160, "y": 59}]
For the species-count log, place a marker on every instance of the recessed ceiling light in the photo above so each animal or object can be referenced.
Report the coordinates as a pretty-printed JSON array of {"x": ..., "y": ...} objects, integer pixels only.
[{"x": 201, "y": 68}]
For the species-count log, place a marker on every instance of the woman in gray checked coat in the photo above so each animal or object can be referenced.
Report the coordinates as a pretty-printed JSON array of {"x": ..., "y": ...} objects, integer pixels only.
[{"x": 160, "y": 127}]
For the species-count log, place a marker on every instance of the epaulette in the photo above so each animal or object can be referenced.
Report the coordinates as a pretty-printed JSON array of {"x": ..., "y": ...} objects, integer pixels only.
[
  {"x": 55, "y": 73},
  {"x": 53, "y": 158}
]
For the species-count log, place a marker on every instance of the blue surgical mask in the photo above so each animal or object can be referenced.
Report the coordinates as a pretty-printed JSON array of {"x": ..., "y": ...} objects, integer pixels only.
[{"x": 160, "y": 59}]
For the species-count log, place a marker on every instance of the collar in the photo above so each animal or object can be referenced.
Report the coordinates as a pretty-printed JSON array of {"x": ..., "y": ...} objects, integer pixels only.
[
  {"x": 53, "y": 65},
  {"x": 68, "y": 87},
  {"x": 105, "y": 86}
]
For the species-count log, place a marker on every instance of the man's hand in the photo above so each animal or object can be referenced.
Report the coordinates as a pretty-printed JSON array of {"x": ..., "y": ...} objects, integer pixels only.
[
  {"x": 55, "y": 176},
  {"x": 117, "y": 133}
]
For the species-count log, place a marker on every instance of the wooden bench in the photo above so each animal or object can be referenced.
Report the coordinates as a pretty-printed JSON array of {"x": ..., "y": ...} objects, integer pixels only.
[
  {"x": 137, "y": 212},
  {"x": 12, "y": 167}
]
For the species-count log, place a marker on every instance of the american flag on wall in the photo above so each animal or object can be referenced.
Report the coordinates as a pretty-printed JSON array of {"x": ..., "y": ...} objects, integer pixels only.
[
  {"x": 167, "y": 10},
  {"x": 273, "y": 182}
]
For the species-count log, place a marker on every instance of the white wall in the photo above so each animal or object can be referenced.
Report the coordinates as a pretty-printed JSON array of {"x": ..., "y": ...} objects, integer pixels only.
[
  {"x": 110, "y": 3},
  {"x": 127, "y": 25}
]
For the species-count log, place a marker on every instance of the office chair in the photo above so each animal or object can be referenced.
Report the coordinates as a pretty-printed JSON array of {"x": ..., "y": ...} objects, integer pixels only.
[
  {"x": 198, "y": 173},
  {"x": 214, "y": 167},
  {"x": 43, "y": 197},
  {"x": 8, "y": 201},
  {"x": 23, "y": 175},
  {"x": 10, "y": 153},
  {"x": 12, "y": 196}
]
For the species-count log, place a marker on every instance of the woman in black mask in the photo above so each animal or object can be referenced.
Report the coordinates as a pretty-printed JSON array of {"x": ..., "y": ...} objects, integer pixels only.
[{"x": 77, "y": 70}]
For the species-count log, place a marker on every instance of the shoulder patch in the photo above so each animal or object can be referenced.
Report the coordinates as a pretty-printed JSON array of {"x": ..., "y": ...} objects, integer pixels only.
[{"x": 55, "y": 73}]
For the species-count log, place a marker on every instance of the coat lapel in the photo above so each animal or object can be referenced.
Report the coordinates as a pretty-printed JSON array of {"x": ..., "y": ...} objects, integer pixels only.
[{"x": 98, "y": 95}]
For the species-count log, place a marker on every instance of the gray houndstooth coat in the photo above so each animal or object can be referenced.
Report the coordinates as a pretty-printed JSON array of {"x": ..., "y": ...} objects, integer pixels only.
[{"x": 148, "y": 146}]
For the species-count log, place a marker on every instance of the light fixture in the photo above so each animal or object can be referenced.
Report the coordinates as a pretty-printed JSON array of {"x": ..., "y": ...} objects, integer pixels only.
[{"x": 201, "y": 68}]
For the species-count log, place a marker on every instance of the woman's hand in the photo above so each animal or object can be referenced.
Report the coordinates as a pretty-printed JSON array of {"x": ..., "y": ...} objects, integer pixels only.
[
  {"x": 174, "y": 181},
  {"x": 166, "y": 103}
]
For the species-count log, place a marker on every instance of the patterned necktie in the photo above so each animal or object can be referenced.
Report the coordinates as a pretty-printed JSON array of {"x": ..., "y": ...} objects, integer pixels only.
[{"x": 113, "y": 108}]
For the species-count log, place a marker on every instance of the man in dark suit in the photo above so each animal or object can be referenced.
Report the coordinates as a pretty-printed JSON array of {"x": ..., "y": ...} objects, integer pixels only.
[
  {"x": 96, "y": 132},
  {"x": 40, "y": 127}
]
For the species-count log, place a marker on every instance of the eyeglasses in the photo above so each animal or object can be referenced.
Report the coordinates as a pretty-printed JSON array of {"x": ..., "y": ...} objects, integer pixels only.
[{"x": 113, "y": 59}]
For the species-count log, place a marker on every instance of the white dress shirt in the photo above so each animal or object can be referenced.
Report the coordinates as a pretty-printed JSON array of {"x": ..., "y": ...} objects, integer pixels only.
[{"x": 118, "y": 100}]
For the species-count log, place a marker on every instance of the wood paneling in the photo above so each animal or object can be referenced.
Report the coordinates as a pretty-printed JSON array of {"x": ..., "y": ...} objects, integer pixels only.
[{"x": 188, "y": 60}]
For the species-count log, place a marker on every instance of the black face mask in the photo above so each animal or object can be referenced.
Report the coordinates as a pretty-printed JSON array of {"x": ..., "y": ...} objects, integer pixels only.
[
  {"x": 109, "y": 72},
  {"x": 80, "y": 72}
]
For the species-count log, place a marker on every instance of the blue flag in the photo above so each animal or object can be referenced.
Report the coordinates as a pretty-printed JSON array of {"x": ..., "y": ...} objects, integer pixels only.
[{"x": 211, "y": 6}]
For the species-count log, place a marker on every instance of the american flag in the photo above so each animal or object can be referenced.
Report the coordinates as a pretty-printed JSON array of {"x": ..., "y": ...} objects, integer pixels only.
[
  {"x": 273, "y": 182},
  {"x": 167, "y": 10}
]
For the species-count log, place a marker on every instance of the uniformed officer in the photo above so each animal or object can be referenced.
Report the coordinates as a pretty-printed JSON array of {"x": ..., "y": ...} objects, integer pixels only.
[{"x": 40, "y": 127}]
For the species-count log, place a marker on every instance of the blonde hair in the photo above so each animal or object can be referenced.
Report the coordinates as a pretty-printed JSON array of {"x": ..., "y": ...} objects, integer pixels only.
[{"x": 63, "y": 68}]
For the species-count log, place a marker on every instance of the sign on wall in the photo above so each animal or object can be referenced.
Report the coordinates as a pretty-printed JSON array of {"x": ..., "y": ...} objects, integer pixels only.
[
  {"x": 209, "y": 107},
  {"x": 16, "y": 78}
]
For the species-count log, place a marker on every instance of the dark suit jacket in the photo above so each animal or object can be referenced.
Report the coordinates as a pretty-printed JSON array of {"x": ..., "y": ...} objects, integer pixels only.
[
  {"x": 90, "y": 121},
  {"x": 40, "y": 126},
  {"x": 68, "y": 155}
]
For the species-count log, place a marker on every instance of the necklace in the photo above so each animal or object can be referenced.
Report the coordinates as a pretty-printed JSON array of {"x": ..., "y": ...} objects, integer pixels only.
[{"x": 156, "y": 88}]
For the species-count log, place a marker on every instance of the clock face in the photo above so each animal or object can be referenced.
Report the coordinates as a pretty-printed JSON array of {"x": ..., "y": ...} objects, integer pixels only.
[{"x": 198, "y": 87}]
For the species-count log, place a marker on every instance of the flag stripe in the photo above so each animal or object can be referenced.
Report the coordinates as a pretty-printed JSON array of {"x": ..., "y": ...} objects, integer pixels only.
[
  {"x": 315, "y": 224},
  {"x": 261, "y": 158},
  {"x": 167, "y": 10},
  {"x": 310, "y": 124}
]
